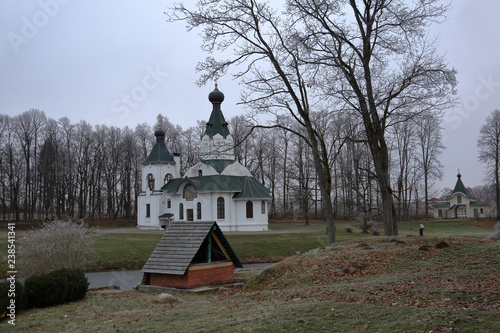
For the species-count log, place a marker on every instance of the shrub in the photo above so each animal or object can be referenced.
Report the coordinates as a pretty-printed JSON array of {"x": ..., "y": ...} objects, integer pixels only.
[
  {"x": 348, "y": 228},
  {"x": 495, "y": 236},
  {"x": 10, "y": 291},
  {"x": 56, "y": 245},
  {"x": 370, "y": 224},
  {"x": 57, "y": 287},
  {"x": 374, "y": 230}
]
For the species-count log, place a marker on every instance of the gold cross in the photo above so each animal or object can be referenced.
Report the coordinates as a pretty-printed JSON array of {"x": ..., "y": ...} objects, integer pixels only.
[
  {"x": 159, "y": 121},
  {"x": 216, "y": 77}
]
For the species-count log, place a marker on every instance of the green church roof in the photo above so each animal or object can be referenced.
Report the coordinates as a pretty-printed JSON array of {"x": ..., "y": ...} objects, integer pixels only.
[
  {"x": 459, "y": 186},
  {"x": 159, "y": 153},
  {"x": 216, "y": 124},
  {"x": 245, "y": 187}
]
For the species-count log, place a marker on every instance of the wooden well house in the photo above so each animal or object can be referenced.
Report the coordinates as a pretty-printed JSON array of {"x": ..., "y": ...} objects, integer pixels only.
[{"x": 190, "y": 255}]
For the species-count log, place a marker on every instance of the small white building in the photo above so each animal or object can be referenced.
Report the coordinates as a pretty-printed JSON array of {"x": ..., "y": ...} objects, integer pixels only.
[
  {"x": 461, "y": 204},
  {"x": 218, "y": 188}
]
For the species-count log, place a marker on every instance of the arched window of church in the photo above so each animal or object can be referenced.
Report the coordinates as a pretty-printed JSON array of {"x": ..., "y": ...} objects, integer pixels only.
[
  {"x": 151, "y": 182},
  {"x": 198, "y": 210},
  {"x": 459, "y": 199},
  {"x": 221, "y": 209},
  {"x": 263, "y": 207},
  {"x": 181, "y": 211},
  {"x": 167, "y": 178},
  {"x": 249, "y": 210},
  {"x": 200, "y": 172}
]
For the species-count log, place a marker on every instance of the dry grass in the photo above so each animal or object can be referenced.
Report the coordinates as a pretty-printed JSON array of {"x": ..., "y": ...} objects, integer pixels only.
[{"x": 395, "y": 287}]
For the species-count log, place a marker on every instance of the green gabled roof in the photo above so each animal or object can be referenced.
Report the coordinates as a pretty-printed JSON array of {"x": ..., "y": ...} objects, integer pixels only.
[
  {"x": 459, "y": 186},
  {"x": 159, "y": 154},
  {"x": 245, "y": 187},
  {"x": 219, "y": 165}
]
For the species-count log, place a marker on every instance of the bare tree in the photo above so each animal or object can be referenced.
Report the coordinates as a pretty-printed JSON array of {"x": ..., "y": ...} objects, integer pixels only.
[
  {"x": 431, "y": 146},
  {"x": 376, "y": 57},
  {"x": 28, "y": 128},
  {"x": 12, "y": 169},
  {"x": 403, "y": 145},
  {"x": 488, "y": 144},
  {"x": 264, "y": 45}
]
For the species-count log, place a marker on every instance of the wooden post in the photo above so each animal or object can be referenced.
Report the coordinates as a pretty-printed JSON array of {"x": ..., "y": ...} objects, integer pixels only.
[{"x": 209, "y": 250}]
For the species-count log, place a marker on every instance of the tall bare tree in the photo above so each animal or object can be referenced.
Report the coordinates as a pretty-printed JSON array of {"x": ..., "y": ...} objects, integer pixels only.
[
  {"x": 431, "y": 147},
  {"x": 264, "y": 45},
  {"x": 376, "y": 57},
  {"x": 488, "y": 144}
]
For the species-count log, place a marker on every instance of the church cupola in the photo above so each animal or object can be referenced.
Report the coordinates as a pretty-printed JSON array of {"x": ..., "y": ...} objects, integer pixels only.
[
  {"x": 216, "y": 124},
  {"x": 160, "y": 135},
  {"x": 159, "y": 153},
  {"x": 217, "y": 142},
  {"x": 216, "y": 97},
  {"x": 459, "y": 186}
]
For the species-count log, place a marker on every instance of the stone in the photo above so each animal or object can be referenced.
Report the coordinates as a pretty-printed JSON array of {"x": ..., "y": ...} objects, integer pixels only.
[
  {"x": 165, "y": 298},
  {"x": 441, "y": 245},
  {"x": 352, "y": 270}
]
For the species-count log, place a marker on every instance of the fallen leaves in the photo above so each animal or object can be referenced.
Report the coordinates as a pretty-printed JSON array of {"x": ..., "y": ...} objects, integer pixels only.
[{"x": 450, "y": 274}]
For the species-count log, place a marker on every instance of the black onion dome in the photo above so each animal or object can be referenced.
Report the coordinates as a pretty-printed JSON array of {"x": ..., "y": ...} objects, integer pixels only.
[
  {"x": 160, "y": 135},
  {"x": 216, "y": 96}
]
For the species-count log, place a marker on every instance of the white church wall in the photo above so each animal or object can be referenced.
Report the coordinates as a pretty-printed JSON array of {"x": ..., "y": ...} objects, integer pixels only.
[
  {"x": 217, "y": 147},
  {"x": 156, "y": 201},
  {"x": 159, "y": 171},
  {"x": 205, "y": 169},
  {"x": 258, "y": 222}
]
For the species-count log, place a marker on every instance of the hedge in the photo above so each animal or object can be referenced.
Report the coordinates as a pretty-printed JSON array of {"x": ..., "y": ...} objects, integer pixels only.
[{"x": 57, "y": 287}]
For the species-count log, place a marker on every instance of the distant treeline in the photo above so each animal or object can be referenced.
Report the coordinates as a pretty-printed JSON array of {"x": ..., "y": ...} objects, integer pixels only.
[{"x": 56, "y": 169}]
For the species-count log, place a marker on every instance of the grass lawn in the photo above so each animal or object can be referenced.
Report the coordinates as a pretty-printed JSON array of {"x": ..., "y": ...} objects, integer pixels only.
[
  {"x": 129, "y": 248},
  {"x": 392, "y": 286}
]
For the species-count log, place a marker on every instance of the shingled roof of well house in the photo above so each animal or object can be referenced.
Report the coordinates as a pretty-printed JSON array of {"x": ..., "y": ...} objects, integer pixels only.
[{"x": 180, "y": 243}]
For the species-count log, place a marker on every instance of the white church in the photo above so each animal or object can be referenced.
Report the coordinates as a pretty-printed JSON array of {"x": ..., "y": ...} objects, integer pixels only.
[
  {"x": 461, "y": 204},
  {"x": 218, "y": 188}
]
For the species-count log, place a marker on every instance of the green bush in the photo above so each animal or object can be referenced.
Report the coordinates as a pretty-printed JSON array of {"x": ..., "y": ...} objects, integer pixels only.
[
  {"x": 57, "y": 287},
  {"x": 10, "y": 291}
]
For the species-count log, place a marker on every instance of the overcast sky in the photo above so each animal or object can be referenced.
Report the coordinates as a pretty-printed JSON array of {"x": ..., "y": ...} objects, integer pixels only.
[{"x": 120, "y": 63}]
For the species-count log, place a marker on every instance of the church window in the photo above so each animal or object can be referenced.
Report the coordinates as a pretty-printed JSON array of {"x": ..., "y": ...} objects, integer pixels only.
[
  {"x": 198, "y": 210},
  {"x": 440, "y": 213},
  {"x": 169, "y": 203},
  {"x": 220, "y": 208},
  {"x": 181, "y": 211},
  {"x": 459, "y": 199},
  {"x": 167, "y": 178},
  {"x": 151, "y": 182},
  {"x": 200, "y": 172},
  {"x": 189, "y": 213},
  {"x": 148, "y": 210},
  {"x": 262, "y": 207},
  {"x": 249, "y": 210}
]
